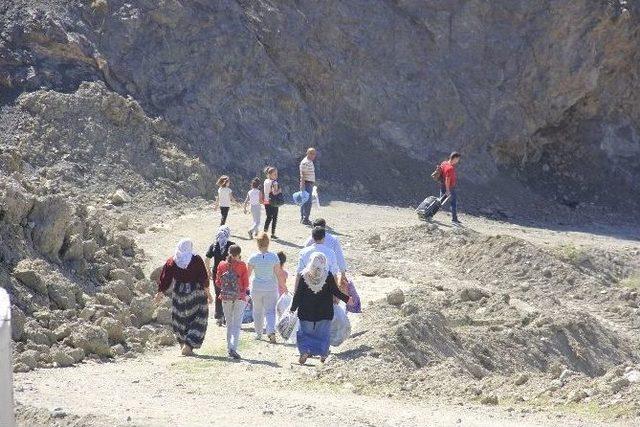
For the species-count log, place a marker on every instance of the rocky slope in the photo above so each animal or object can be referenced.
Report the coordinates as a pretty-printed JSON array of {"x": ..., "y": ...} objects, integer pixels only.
[
  {"x": 534, "y": 93},
  {"x": 73, "y": 165}
]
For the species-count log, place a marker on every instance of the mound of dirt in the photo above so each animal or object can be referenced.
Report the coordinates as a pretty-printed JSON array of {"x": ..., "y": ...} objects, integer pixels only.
[
  {"x": 519, "y": 314},
  {"x": 79, "y": 172}
]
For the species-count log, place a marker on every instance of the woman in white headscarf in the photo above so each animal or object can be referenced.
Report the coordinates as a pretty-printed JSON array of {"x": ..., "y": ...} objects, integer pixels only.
[
  {"x": 186, "y": 273},
  {"x": 218, "y": 251},
  {"x": 313, "y": 299}
]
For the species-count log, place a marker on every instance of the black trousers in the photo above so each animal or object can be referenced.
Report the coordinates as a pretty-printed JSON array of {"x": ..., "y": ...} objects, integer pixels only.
[
  {"x": 225, "y": 212},
  {"x": 272, "y": 218}
]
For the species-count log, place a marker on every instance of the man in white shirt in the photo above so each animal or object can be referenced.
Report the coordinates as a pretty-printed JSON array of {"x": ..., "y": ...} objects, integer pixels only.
[
  {"x": 307, "y": 181},
  {"x": 318, "y": 235},
  {"x": 334, "y": 243}
]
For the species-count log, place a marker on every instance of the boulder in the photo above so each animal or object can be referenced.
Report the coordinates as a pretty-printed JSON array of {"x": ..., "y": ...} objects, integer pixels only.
[
  {"x": 62, "y": 331},
  {"x": 396, "y": 297},
  {"x": 18, "y": 320},
  {"x": 164, "y": 337},
  {"x": 34, "y": 332},
  {"x": 142, "y": 308},
  {"x": 91, "y": 339},
  {"x": 89, "y": 249},
  {"x": 470, "y": 293},
  {"x": 119, "y": 197},
  {"x": 51, "y": 216},
  {"x": 28, "y": 272},
  {"x": 145, "y": 287},
  {"x": 162, "y": 315},
  {"x": 61, "y": 358},
  {"x": 28, "y": 358},
  {"x": 76, "y": 353},
  {"x": 119, "y": 289},
  {"x": 114, "y": 329},
  {"x": 122, "y": 274},
  {"x": 118, "y": 350},
  {"x": 108, "y": 300},
  {"x": 63, "y": 295}
]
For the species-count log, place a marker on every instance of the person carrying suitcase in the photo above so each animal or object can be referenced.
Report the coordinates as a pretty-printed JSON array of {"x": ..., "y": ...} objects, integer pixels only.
[{"x": 448, "y": 183}]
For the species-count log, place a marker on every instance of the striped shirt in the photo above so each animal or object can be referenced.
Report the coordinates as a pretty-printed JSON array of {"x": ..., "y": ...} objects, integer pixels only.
[{"x": 307, "y": 170}]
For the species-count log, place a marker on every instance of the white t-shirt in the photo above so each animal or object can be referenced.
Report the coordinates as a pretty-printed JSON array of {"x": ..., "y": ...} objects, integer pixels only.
[
  {"x": 224, "y": 197},
  {"x": 254, "y": 196}
]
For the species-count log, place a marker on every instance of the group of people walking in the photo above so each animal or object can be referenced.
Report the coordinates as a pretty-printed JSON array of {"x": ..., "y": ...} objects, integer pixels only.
[
  {"x": 320, "y": 278},
  {"x": 268, "y": 194}
]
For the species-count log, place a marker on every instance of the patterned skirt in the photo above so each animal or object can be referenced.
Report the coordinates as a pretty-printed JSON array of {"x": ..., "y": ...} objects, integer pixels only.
[{"x": 190, "y": 313}]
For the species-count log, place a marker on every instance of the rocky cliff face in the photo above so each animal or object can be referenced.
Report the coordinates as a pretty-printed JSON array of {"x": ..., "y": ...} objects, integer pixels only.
[{"x": 538, "y": 93}]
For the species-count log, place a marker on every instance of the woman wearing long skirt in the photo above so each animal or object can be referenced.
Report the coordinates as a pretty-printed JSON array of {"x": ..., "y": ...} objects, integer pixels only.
[
  {"x": 218, "y": 251},
  {"x": 188, "y": 276},
  {"x": 313, "y": 298}
]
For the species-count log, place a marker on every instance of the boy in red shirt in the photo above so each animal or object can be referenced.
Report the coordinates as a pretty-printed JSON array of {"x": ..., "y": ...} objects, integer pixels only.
[
  {"x": 448, "y": 183},
  {"x": 232, "y": 278}
]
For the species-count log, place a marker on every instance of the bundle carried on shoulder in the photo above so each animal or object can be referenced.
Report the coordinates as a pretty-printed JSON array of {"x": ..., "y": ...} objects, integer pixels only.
[{"x": 340, "y": 326}]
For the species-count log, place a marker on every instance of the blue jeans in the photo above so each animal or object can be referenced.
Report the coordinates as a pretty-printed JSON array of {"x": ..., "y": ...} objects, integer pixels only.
[
  {"x": 454, "y": 202},
  {"x": 305, "y": 210}
]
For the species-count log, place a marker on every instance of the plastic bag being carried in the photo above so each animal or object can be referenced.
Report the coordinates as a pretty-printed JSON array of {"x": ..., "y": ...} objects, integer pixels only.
[
  {"x": 340, "y": 326},
  {"x": 283, "y": 304},
  {"x": 315, "y": 199},
  {"x": 287, "y": 324},
  {"x": 351, "y": 291},
  {"x": 300, "y": 197},
  {"x": 247, "y": 317}
]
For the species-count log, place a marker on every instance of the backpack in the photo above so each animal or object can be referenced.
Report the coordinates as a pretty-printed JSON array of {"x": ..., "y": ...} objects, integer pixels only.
[
  {"x": 437, "y": 173},
  {"x": 229, "y": 288}
]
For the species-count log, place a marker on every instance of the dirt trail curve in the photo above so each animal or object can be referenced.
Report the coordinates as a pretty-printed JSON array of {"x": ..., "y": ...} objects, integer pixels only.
[{"x": 267, "y": 387}]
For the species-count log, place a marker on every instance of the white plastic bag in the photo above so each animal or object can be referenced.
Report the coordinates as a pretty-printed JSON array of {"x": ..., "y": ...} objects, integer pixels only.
[
  {"x": 315, "y": 199},
  {"x": 282, "y": 308},
  {"x": 340, "y": 326},
  {"x": 284, "y": 303},
  {"x": 287, "y": 324}
]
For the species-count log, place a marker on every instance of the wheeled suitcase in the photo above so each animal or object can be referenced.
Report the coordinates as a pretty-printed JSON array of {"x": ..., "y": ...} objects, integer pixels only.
[{"x": 430, "y": 206}]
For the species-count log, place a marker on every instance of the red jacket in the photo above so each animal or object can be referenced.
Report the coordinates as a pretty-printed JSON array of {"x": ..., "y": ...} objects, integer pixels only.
[{"x": 243, "y": 276}]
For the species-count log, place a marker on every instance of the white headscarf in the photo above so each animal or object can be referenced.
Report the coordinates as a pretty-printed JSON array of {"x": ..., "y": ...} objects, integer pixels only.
[
  {"x": 316, "y": 271},
  {"x": 222, "y": 237},
  {"x": 184, "y": 253}
]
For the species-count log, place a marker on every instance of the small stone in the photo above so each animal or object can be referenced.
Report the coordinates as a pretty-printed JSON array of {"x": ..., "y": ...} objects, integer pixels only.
[
  {"x": 119, "y": 197},
  {"x": 396, "y": 297},
  {"x": 118, "y": 350},
  {"x": 564, "y": 376},
  {"x": 522, "y": 378}
]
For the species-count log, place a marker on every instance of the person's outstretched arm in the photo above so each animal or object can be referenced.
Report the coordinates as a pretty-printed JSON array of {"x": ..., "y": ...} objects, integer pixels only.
[{"x": 333, "y": 286}]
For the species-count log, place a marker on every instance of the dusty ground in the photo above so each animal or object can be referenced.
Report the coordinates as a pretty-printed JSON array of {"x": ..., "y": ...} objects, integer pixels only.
[{"x": 268, "y": 387}]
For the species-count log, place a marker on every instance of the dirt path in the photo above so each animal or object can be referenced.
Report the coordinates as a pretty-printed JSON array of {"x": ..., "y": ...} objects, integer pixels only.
[{"x": 267, "y": 387}]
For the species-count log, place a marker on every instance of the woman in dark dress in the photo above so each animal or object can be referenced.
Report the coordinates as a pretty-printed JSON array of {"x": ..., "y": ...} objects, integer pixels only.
[
  {"x": 218, "y": 251},
  {"x": 187, "y": 274},
  {"x": 313, "y": 298}
]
